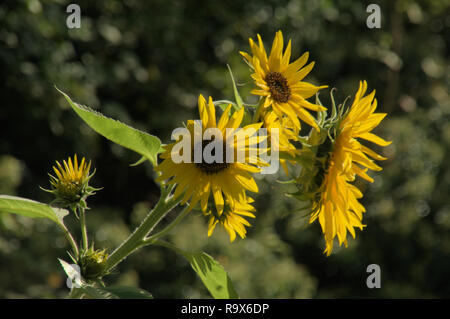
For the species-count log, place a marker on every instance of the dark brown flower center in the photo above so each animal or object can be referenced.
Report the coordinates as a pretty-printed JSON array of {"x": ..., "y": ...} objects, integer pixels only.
[
  {"x": 278, "y": 87},
  {"x": 214, "y": 167}
]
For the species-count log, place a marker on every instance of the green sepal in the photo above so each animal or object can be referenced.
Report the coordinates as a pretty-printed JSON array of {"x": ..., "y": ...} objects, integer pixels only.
[
  {"x": 92, "y": 263},
  {"x": 143, "y": 159}
]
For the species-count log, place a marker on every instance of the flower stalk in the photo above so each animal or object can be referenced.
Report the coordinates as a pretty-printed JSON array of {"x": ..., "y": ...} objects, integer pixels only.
[
  {"x": 168, "y": 228},
  {"x": 84, "y": 235},
  {"x": 70, "y": 239},
  {"x": 137, "y": 239}
]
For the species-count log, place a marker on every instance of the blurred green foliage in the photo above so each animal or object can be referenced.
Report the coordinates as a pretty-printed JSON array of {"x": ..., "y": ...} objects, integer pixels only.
[{"x": 145, "y": 62}]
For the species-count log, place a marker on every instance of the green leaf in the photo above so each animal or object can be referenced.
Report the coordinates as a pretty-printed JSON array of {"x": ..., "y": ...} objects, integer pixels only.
[
  {"x": 31, "y": 208},
  {"x": 213, "y": 275},
  {"x": 97, "y": 293},
  {"x": 125, "y": 292},
  {"x": 141, "y": 142},
  {"x": 239, "y": 102},
  {"x": 140, "y": 161},
  {"x": 115, "y": 292},
  {"x": 210, "y": 271},
  {"x": 237, "y": 97}
]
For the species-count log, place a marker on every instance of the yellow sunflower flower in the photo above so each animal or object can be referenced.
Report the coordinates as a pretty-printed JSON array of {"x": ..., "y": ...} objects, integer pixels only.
[
  {"x": 280, "y": 82},
  {"x": 338, "y": 209},
  {"x": 286, "y": 134},
  {"x": 71, "y": 182},
  {"x": 232, "y": 218},
  {"x": 223, "y": 179}
]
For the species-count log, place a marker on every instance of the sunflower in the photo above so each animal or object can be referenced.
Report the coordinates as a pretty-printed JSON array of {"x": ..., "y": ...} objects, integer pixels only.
[
  {"x": 337, "y": 208},
  {"x": 286, "y": 134},
  {"x": 226, "y": 181},
  {"x": 232, "y": 218},
  {"x": 280, "y": 82},
  {"x": 70, "y": 185}
]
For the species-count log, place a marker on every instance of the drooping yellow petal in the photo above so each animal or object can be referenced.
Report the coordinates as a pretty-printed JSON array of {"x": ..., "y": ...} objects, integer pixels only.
[
  {"x": 218, "y": 198},
  {"x": 374, "y": 139},
  {"x": 339, "y": 211}
]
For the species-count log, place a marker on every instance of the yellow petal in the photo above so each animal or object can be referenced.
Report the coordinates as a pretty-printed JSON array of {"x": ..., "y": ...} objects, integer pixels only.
[
  {"x": 218, "y": 198},
  {"x": 297, "y": 64},
  {"x": 211, "y": 113},
  {"x": 202, "y": 111},
  {"x": 224, "y": 118},
  {"x": 247, "y": 181},
  {"x": 374, "y": 139}
]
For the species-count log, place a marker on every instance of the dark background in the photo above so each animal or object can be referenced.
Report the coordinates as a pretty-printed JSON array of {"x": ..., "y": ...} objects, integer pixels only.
[{"x": 145, "y": 62}]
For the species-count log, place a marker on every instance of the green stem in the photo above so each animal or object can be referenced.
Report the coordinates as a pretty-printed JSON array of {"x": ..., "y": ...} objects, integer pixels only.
[
  {"x": 76, "y": 293},
  {"x": 177, "y": 220},
  {"x": 83, "y": 228},
  {"x": 70, "y": 239},
  {"x": 101, "y": 283},
  {"x": 165, "y": 204}
]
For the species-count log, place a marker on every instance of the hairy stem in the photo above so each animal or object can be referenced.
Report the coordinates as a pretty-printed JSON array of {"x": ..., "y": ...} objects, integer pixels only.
[
  {"x": 83, "y": 228},
  {"x": 175, "y": 222},
  {"x": 70, "y": 239},
  {"x": 165, "y": 204}
]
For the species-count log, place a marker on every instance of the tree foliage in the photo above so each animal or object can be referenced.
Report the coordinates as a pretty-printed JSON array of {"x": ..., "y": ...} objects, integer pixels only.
[{"x": 145, "y": 62}]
